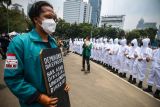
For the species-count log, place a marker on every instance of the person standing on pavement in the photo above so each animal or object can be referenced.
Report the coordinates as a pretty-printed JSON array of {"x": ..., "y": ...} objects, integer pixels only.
[
  {"x": 121, "y": 58},
  {"x": 154, "y": 75},
  {"x": 109, "y": 54},
  {"x": 132, "y": 58},
  {"x": 143, "y": 60},
  {"x": 70, "y": 45},
  {"x": 114, "y": 55},
  {"x": 25, "y": 79},
  {"x": 86, "y": 53}
]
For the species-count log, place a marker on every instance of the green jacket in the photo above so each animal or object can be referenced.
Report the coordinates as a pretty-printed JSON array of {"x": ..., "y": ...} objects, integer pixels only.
[
  {"x": 87, "y": 50},
  {"x": 26, "y": 80}
]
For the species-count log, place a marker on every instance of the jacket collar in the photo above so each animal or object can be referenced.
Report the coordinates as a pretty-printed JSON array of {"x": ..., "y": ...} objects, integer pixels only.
[{"x": 34, "y": 36}]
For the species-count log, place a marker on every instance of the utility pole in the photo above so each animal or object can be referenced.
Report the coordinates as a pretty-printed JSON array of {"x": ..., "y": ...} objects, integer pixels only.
[
  {"x": 91, "y": 29},
  {"x": 7, "y": 20},
  {"x": 8, "y": 3}
]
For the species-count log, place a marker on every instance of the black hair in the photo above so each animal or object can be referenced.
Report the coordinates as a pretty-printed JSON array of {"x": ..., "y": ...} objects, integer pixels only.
[
  {"x": 36, "y": 9},
  {"x": 87, "y": 37}
]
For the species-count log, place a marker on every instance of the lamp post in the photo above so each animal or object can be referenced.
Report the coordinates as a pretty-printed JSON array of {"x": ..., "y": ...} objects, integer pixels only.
[
  {"x": 8, "y": 2},
  {"x": 91, "y": 29},
  {"x": 7, "y": 20}
]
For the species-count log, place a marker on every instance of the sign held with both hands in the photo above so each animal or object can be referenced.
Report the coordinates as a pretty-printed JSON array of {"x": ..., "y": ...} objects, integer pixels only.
[{"x": 54, "y": 75}]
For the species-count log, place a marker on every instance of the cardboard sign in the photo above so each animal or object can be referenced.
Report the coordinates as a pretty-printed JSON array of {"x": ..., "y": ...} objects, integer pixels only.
[{"x": 54, "y": 75}]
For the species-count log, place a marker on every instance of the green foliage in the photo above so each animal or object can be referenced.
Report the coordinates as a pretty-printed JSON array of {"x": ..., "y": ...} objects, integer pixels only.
[
  {"x": 139, "y": 34},
  {"x": 5, "y": 3},
  {"x": 66, "y": 30},
  {"x": 17, "y": 21},
  {"x": 133, "y": 34},
  {"x": 150, "y": 32}
]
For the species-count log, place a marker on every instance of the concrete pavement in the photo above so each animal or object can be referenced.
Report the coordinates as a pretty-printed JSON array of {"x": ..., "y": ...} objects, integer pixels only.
[
  {"x": 7, "y": 99},
  {"x": 100, "y": 88}
]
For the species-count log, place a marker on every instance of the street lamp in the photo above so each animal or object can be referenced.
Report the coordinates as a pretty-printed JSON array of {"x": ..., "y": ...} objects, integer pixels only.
[
  {"x": 91, "y": 29},
  {"x": 8, "y": 3},
  {"x": 7, "y": 20}
]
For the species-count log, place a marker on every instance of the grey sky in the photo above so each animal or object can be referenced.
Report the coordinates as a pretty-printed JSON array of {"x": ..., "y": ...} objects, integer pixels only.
[{"x": 133, "y": 9}]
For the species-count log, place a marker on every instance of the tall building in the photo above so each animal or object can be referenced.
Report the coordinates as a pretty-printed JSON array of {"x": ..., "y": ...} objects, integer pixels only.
[
  {"x": 140, "y": 24},
  {"x": 116, "y": 21},
  {"x": 96, "y": 10},
  {"x": 87, "y": 13},
  {"x": 144, "y": 25},
  {"x": 150, "y": 25},
  {"x": 76, "y": 11}
]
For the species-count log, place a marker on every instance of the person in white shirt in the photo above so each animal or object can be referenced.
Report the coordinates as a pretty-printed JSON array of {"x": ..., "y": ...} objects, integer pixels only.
[
  {"x": 114, "y": 53},
  {"x": 154, "y": 75},
  {"x": 121, "y": 57},
  {"x": 109, "y": 49},
  {"x": 132, "y": 56},
  {"x": 70, "y": 45},
  {"x": 143, "y": 59}
]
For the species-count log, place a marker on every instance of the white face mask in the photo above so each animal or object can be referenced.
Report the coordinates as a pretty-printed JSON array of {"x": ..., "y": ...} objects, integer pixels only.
[{"x": 49, "y": 26}]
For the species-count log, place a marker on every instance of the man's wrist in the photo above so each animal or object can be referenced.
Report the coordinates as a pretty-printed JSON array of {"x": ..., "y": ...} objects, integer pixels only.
[
  {"x": 33, "y": 98},
  {"x": 39, "y": 98}
]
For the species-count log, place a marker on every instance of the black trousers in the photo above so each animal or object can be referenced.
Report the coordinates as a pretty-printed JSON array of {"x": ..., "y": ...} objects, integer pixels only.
[
  {"x": 86, "y": 59},
  {"x": 3, "y": 52}
]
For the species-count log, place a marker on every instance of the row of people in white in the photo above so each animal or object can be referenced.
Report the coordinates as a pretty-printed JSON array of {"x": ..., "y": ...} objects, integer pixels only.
[{"x": 126, "y": 59}]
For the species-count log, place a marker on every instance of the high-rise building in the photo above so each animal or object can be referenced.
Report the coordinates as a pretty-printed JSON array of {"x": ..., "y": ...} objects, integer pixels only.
[
  {"x": 116, "y": 21},
  {"x": 150, "y": 25},
  {"x": 140, "y": 24},
  {"x": 76, "y": 11},
  {"x": 96, "y": 10},
  {"x": 87, "y": 13},
  {"x": 144, "y": 25}
]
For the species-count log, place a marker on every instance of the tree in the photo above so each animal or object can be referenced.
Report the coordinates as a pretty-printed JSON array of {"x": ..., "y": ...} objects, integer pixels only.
[
  {"x": 120, "y": 33},
  {"x": 135, "y": 34},
  {"x": 16, "y": 22},
  {"x": 111, "y": 32},
  {"x": 75, "y": 30},
  {"x": 151, "y": 33},
  {"x": 62, "y": 29},
  {"x": 5, "y": 2},
  {"x": 85, "y": 30},
  {"x": 96, "y": 32},
  {"x": 140, "y": 34}
]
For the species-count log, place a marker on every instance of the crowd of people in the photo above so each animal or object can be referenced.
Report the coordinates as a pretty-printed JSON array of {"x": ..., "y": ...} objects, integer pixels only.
[
  {"x": 126, "y": 59},
  {"x": 5, "y": 39},
  {"x": 4, "y": 42}
]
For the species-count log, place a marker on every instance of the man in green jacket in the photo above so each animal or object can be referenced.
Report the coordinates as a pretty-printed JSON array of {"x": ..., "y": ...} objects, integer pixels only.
[
  {"x": 86, "y": 53},
  {"x": 22, "y": 72}
]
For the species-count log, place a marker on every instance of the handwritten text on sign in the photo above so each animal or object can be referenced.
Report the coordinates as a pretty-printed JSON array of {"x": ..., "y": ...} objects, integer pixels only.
[{"x": 56, "y": 77}]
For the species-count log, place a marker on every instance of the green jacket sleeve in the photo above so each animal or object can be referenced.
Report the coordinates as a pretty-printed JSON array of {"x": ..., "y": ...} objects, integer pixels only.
[
  {"x": 89, "y": 47},
  {"x": 14, "y": 78}
]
